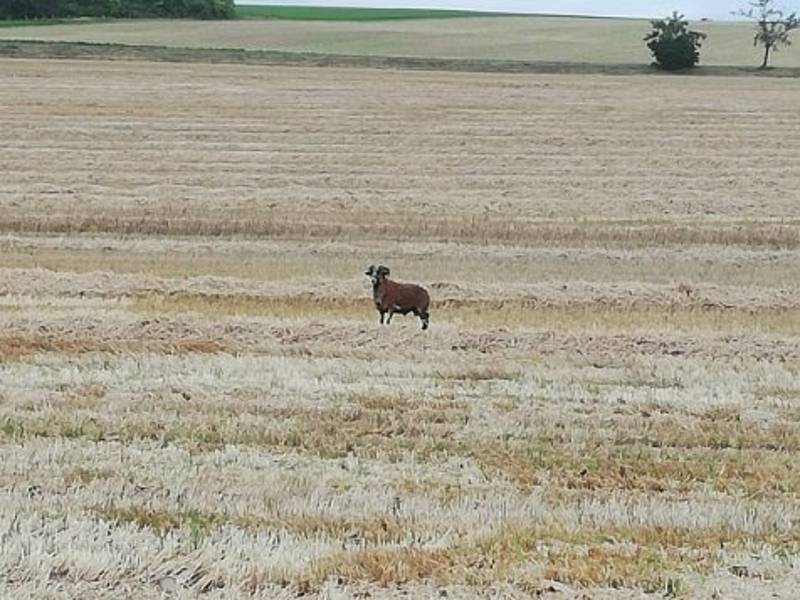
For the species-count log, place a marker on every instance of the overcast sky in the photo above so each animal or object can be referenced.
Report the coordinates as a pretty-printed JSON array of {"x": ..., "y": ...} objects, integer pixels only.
[{"x": 714, "y": 9}]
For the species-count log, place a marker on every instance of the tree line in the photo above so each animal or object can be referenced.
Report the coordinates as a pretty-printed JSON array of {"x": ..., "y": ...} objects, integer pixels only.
[{"x": 119, "y": 9}]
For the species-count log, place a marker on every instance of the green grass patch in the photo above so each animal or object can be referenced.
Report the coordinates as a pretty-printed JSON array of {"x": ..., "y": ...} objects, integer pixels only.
[{"x": 347, "y": 13}]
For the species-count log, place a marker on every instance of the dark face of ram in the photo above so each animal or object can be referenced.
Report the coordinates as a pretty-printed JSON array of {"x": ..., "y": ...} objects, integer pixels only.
[{"x": 377, "y": 274}]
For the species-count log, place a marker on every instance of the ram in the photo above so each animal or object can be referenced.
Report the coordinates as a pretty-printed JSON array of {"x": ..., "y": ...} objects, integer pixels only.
[{"x": 393, "y": 297}]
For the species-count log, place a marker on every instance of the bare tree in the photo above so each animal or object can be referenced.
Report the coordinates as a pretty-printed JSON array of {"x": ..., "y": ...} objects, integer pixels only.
[{"x": 772, "y": 26}]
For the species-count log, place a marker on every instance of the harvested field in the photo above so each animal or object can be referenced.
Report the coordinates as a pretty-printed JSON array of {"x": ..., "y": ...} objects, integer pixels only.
[{"x": 196, "y": 398}]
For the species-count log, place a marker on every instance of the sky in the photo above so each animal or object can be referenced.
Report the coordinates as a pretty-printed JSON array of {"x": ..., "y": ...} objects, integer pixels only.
[{"x": 712, "y": 9}]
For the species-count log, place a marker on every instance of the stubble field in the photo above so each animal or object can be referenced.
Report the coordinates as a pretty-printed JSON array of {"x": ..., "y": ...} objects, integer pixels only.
[{"x": 196, "y": 397}]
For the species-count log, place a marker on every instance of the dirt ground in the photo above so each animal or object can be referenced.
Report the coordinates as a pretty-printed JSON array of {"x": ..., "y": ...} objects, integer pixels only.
[{"x": 196, "y": 396}]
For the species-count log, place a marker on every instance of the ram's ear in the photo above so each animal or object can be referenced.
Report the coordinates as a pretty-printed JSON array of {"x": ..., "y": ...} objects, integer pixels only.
[{"x": 370, "y": 271}]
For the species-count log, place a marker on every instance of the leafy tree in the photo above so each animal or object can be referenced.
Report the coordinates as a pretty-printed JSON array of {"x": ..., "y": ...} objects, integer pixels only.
[
  {"x": 673, "y": 44},
  {"x": 772, "y": 26},
  {"x": 28, "y": 9}
]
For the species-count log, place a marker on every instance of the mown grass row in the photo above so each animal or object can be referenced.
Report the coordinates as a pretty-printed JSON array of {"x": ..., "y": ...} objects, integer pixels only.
[
  {"x": 647, "y": 557},
  {"x": 775, "y": 235},
  {"x": 678, "y": 313},
  {"x": 652, "y": 456}
]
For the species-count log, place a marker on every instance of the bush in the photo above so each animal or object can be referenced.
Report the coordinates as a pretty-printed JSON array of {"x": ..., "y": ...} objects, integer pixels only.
[{"x": 673, "y": 44}]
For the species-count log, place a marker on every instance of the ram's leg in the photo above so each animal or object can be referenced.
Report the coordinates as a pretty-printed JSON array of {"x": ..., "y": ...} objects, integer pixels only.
[
  {"x": 391, "y": 314},
  {"x": 383, "y": 314},
  {"x": 425, "y": 320}
]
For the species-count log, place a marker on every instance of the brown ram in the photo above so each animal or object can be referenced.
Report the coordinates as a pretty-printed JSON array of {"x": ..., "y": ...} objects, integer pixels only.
[{"x": 392, "y": 297}]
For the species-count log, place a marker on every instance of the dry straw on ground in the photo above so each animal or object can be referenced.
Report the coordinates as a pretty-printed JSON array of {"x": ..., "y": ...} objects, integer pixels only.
[{"x": 195, "y": 398}]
